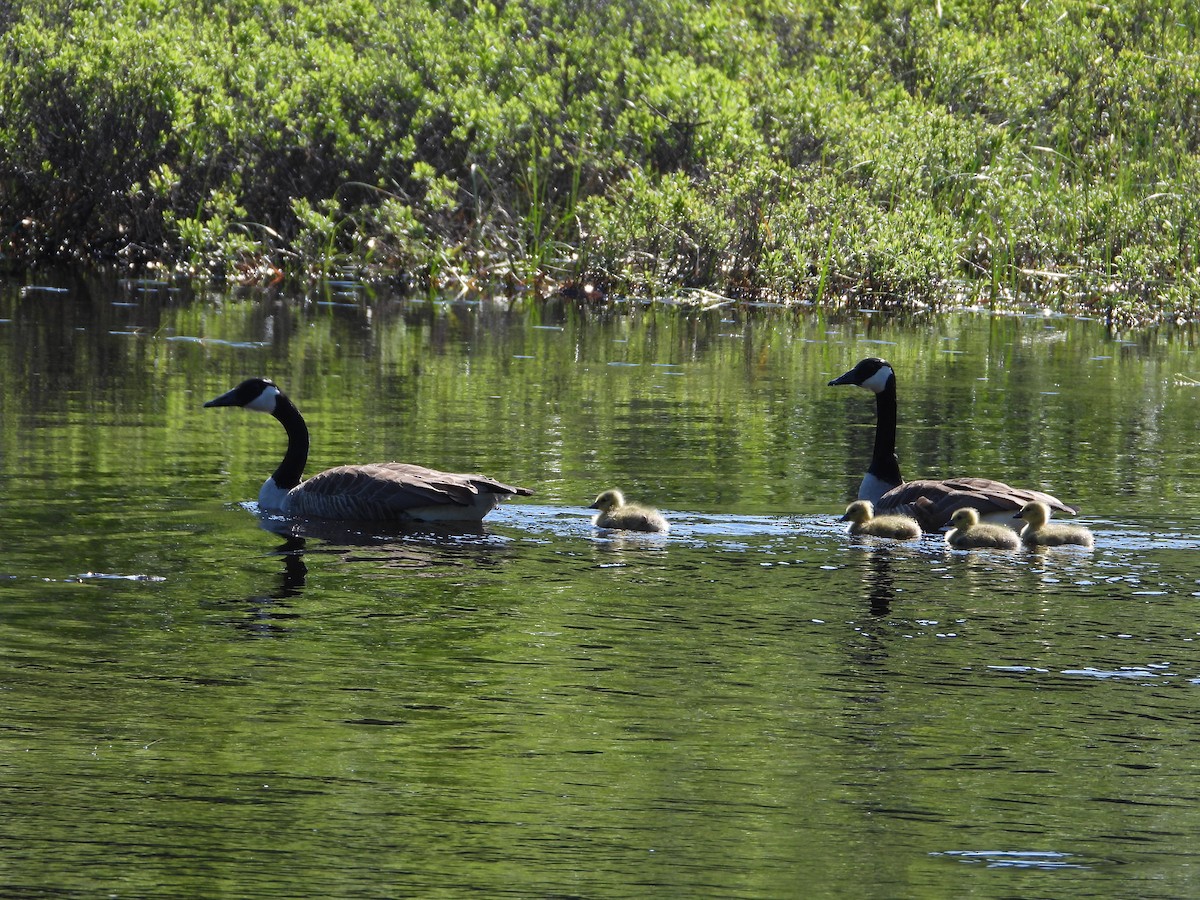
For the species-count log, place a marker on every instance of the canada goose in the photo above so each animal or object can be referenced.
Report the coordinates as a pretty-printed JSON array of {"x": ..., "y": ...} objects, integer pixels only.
[
  {"x": 616, "y": 513},
  {"x": 930, "y": 502},
  {"x": 969, "y": 533},
  {"x": 861, "y": 516},
  {"x": 375, "y": 492},
  {"x": 1039, "y": 531}
]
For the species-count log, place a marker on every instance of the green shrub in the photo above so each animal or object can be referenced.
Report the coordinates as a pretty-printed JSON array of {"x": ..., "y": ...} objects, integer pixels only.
[{"x": 800, "y": 150}]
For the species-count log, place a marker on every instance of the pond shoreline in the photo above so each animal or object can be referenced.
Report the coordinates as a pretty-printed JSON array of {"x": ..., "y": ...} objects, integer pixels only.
[{"x": 365, "y": 283}]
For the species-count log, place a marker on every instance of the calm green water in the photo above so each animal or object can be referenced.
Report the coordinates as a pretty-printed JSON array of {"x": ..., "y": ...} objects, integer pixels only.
[{"x": 197, "y": 704}]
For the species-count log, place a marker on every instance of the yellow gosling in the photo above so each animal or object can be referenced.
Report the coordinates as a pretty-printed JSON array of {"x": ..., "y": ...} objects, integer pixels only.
[
  {"x": 968, "y": 533},
  {"x": 1039, "y": 531},
  {"x": 616, "y": 513},
  {"x": 861, "y": 516}
]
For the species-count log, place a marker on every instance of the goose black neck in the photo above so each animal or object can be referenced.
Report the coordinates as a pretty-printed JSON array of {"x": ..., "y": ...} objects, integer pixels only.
[
  {"x": 884, "y": 464},
  {"x": 291, "y": 470}
]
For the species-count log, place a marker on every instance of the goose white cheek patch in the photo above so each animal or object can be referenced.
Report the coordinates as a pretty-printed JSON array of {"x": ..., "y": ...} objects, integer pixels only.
[
  {"x": 879, "y": 380},
  {"x": 264, "y": 402}
]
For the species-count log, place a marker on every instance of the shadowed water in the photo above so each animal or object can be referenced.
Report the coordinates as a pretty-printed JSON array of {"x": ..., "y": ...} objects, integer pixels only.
[{"x": 200, "y": 702}]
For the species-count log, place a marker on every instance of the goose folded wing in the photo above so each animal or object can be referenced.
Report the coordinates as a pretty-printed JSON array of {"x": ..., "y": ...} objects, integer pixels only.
[
  {"x": 932, "y": 503},
  {"x": 390, "y": 490},
  {"x": 461, "y": 487}
]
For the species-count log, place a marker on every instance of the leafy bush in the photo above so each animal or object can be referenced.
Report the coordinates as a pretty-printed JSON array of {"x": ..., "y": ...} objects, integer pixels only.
[{"x": 802, "y": 150}]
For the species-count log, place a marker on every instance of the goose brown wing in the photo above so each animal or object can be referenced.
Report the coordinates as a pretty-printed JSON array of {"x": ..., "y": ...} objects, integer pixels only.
[
  {"x": 932, "y": 503},
  {"x": 383, "y": 491},
  {"x": 447, "y": 481}
]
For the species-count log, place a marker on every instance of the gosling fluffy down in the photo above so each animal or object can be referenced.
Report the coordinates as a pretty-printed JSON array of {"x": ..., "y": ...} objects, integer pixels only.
[
  {"x": 968, "y": 533},
  {"x": 617, "y": 514},
  {"x": 1039, "y": 531},
  {"x": 861, "y": 516}
]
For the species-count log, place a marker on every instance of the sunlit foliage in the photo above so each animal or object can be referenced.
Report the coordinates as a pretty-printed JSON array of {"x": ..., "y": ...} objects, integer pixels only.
[{"x": 801, "y": 150}]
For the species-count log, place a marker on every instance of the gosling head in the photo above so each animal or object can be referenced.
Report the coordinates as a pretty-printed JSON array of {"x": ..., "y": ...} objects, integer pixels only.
[
  {"x": 859, "y": 511},
  {"x": 1035, "y": 513},
  {"x": 965, "y": 517},
  {"x": 607, "y": 500}
]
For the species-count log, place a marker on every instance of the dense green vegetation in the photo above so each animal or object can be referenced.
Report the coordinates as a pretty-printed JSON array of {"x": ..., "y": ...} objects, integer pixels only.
[{"x": 791, "y": 149}]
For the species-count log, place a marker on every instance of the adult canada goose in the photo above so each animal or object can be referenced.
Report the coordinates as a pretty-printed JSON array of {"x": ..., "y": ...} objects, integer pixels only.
[
  {"x": 395, "y": 492},
  {"x": 969, "y": 533},
  {"x": 616, "y": 513},
  {"x": 861, "y": 516},
  {"x": 1039, "y": 531},
  {"x": 930, "y": 502}
]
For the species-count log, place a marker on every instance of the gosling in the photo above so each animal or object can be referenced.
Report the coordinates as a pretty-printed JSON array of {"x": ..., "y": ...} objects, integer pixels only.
[
  {"x": 968, "y": 533},
  {"x": 861, "y": 516},
  {"x": 616, "y": 513},
  {"x": 1040, "y": 532}
]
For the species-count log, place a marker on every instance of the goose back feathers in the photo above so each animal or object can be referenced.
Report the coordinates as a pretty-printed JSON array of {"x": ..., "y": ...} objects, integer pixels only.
[{"x": 376, "y": 492}]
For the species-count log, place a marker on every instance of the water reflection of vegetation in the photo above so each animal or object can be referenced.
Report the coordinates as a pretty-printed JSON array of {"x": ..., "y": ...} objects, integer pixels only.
[
  {"x": 552, "y": 700},
  {"x": 717, "y": 411}
]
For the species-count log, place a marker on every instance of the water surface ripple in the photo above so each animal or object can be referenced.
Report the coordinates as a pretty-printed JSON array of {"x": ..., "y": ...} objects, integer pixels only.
[{"x": 201, "y": 701}]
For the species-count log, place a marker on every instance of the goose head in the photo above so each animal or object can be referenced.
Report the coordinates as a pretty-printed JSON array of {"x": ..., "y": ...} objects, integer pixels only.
[
  {"x": 258, "y": 394},
  {"x": 1036, "y": 514},
  {"x": 859, "y": 511},
  {"x": 965, "y": 517},
  {"x": 607, "y": 500},
  {"x": 872, "y": 374}
]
